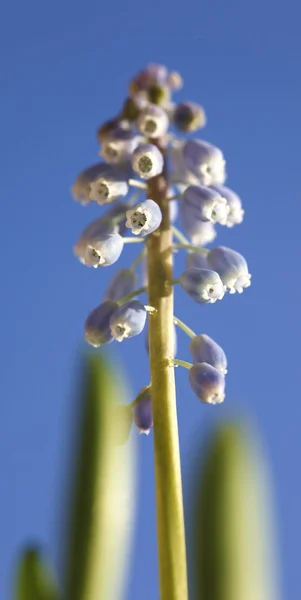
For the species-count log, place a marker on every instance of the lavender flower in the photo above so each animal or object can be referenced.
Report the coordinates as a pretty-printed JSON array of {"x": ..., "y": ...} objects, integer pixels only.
[
  {"x": 189, "y": 116},
  {"x": 128, "y": 320},
  {"x": 199, "y": 232},
  {"x": 152, "y": 121},
  {"x": 143, "y": 413},
  {"x": 82, "y": 185},
  {"x": 202, "y": 285},
  {"x": 205, "y": 161},
  {"x": 108, "y": 188},
  {"x": 147, "y": 161},
  {"x": 99, "y": 249},
  {"x": 207, "y": 383},
  {"x": 236, "y": 212},
  {"x": 204, "y": 349},
  {"x": 196, "y": 260},
  {"x": 123, "y": 283},
  {"x": 205, "y": 204},
  {"x": 144, "y": 218},
  {"x": 180, "y": 174},
  {"x": 97, "y": 325},
  {"x": 119, "y": 146},
  {"x": 231, "y": 267}
]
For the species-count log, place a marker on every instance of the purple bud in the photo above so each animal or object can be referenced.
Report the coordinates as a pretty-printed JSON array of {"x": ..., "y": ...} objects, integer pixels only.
[
  {"x": 152, "y": 121},
  {"x": 123, "y": 283},
  {"x": 231, "y": 267},
  {"x": 143, "y": 413},
  {"x": 204, "y": 349},
  {"x": 128, "y": 320},
  {"x": 189, "y": 116},
  {"x": 147, "y": 161},
  {"x": 144, "y": 218},
  {"x": 205, "y": 204},
  {"x": 205, "y": 161},
  {"x": 97, "y": 325},
  {"x": 236, "y": 212},
  {"x": 202, "y": 285},
  {"x": 207, "y": 383},
  {"x": 199, "y": 232},
  {"x": 196, "y": 260}
]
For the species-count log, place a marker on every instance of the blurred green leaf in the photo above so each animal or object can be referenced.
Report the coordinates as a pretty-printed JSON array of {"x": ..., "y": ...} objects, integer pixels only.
[
  {"x": 34, "y": 579},
  {"x": 233, "y": 546},
  {"x": 103, "y": 493}
]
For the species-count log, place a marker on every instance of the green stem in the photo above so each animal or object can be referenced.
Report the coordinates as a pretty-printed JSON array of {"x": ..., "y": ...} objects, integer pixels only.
[
  {"x": 170, "y": 518},
  {"x": 133, "y": 240},
  {"x": 184, "y": 327},
  {"x": 180, "y": 236},
  {"x": 181, "y": 363},
  {"x": 191, "y": 247},
  {"x": 138, "y": 184},
  {"x": 132, "y": 295}
]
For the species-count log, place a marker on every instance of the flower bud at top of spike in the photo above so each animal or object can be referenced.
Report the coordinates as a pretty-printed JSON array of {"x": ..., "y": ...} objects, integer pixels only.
[
  {"x": 152, "y": 74},
  {"x": 108, "y": 188},
  {"x": 144, "y": 218},
  {"x": 152, "y": 121},
  {"x": 119, "y": 146},
  {"x": 205, "y": 161},
  {"x": 82, "y": 185},
  {"x": 189, "y": 116},
  {"x": 199, "y": 232},
  {"x": 196, "y": 260},
  {"x": 174, "y": 80},
  {"x": 204, "y": 349},
  {"x": 207, "y": 383},
  {"x": 128, "y": 320},
  {"x": 143, "y": 413},
  {"x": 97, "y": 325},
  {"x": 236, "y": 212},
  {"x": 205, "y": 204},
  {"x": 147, "y": 161},
  {"x": 123, "y": 283},
  {"x": 202, "y": 285},
  {"x": 231, "y": 267},
  {"x": 101, "y": 249}
]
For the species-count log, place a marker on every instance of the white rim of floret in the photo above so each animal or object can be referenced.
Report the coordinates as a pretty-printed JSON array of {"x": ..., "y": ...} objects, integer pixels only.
[
  {"x": 92, "y": 252},
  {"x": 212, "y": 288},
  {"x": 129, "y": 220},
  {"x": 245, "y": 280},
  {"x": 215, "y": 398},
  {"x": 235, "y": 216},
  {"x": 219, "y": 211},
  {"x": 96, "y": 194},
  {"x": 120, "y": 331}
]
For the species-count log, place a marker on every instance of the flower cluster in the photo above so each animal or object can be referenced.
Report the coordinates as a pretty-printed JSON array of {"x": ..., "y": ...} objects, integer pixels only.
[{"x": 130, "y": 147}]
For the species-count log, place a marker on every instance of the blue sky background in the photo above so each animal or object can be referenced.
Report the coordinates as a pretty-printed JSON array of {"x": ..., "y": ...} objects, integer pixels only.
[{"x": 64, "y": 68}]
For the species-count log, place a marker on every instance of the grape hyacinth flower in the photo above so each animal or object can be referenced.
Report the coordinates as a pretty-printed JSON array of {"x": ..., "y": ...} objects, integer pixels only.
[
  {"x": 189, "y": 116},
  {"x": 205, "y": 161},
  {"x": 143, "y": 412},
  {"x": 205, "y": 204},
  {"x": 236, "y": 212},
  {"x": 231, "y": 267},
  {"x": 147, "y": 161},
  {"x": 144, "y": 218},
  {"x": 108, "y": 188},
  {"x": 207, "y": 383},
  {"x": 99, "y": 250},
  {"x": 158, "y": 175},
  {"x": 128, "y": 320},
  {"x": 204, "y": 349},
  {"x": 123, "y": 283},
  {"x": 199, "y": 232},
  {"x": 152, "y": 121},
  {"x": 202, "y": 285},
  {"x": 97, "y": 325}
]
